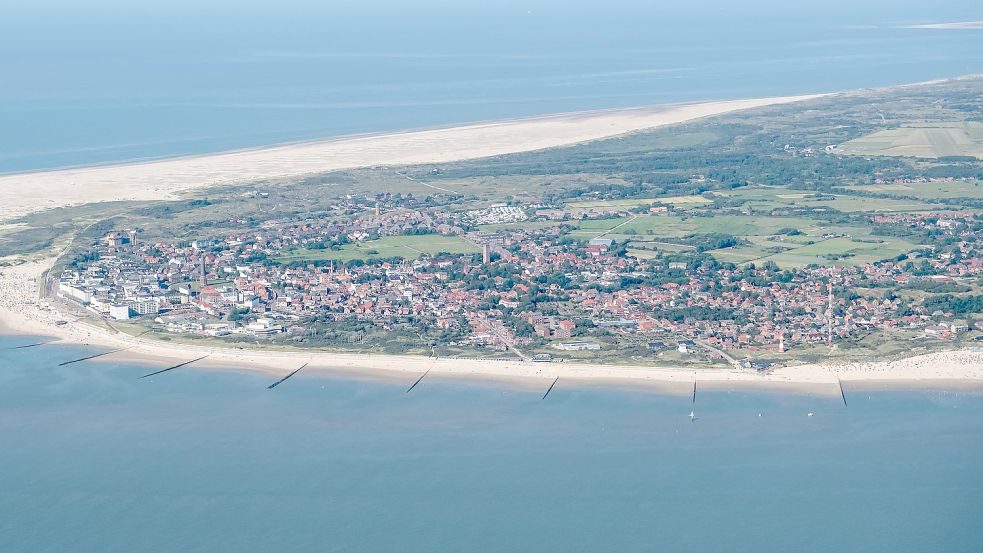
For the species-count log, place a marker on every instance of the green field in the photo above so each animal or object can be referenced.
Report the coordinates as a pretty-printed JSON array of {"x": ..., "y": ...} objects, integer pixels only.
[
  {"x": 938, "y": 140},
  {"x": 648, "y": 233},
  {"x": 390, "y": 246},
  {"x": 680, "y": 202},
  {"x": 525, "y": 225},
  {"x": 766, "y": 199},
  {"x": 674, "y": 226},
  {"x": 928, "y": 190},
  {"x": 848, "y": 250}
]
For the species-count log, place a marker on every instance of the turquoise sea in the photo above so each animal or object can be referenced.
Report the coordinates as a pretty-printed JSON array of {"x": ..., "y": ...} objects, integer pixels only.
[
  {"x": 93, "y": 459},
  {"x": 105, "y": 81}
]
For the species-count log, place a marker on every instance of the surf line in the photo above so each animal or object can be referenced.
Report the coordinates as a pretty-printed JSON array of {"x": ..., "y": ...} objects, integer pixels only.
[
  {"x": 278, "y": 382},
  {"x": 179, "y": 365},
  {"x": 91, "y": 357},
  {"x": 555, "y": 380}
]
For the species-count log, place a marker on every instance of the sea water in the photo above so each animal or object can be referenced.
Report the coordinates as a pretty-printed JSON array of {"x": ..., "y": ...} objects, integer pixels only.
[
  {"x": 108, "y": 81},
  {"x": 95, "y": 459}
]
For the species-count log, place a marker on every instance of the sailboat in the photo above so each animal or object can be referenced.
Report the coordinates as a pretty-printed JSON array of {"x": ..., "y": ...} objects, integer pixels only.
[{"x": 692, "y": 416}]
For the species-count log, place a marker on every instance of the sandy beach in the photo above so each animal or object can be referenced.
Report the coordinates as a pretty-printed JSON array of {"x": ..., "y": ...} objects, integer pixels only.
[
  {"x": 22, "y": 313},
  {"x": 31, "y": 192}
]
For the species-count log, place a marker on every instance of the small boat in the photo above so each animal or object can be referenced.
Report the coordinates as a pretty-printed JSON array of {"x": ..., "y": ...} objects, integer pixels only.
[{"x": 692, "y": 416}]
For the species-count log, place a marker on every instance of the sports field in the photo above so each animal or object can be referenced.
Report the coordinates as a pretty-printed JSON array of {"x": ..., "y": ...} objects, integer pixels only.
[
  {"x": 409, "y": 247},
  {"x": 938, "y": 140}
]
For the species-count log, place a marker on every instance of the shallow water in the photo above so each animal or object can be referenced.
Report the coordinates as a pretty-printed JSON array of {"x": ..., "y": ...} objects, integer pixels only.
[{"x": 95, "y": 459}]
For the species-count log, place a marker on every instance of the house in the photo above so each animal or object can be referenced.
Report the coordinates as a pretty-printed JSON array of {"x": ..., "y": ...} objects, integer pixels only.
[
  {"x": 756, "y": 364},
  {"x": 656, "y": 346}
]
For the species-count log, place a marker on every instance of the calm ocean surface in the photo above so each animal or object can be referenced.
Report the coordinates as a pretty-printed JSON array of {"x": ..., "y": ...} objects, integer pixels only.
[
  {"x": 94, "y": 460},
  {"x": 106, "y": 81}
]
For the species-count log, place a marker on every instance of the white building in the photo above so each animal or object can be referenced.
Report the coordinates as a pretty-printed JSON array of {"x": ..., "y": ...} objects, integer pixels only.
[
  {"x": 145, "y": 306},
  {"x": 120, "y": 312},
  {"x": 577, "y": 345},
  {"x": 264, "y": 326},
  {"x": 76, "y": 293}
]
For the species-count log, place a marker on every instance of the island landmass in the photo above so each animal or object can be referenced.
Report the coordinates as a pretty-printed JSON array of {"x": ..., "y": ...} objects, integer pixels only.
[{"x": 786, "y": 242}]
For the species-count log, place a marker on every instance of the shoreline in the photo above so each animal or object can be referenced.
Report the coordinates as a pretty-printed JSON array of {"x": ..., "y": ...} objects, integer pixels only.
[
  {"x": 22, "y": 313},
  {"x": 600, "y": 112},
  {"x": 25, "y": 193}
]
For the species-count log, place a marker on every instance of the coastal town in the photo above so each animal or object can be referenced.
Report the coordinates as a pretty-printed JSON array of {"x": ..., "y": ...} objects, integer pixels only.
[{"x": 515, "y": 281}]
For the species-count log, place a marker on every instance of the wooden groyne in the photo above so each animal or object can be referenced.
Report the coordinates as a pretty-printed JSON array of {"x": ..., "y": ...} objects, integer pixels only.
[
  {"x": 179, "y": 365},
  {"x": 418, "y": 380},
  {"x": 281, "y": 381},
  {"x": 30, "y": 345},
  {"x": 86, "y": 358},
  {"x": 557, "y": 379},
  {"x": 694, "y": 391},
  {"x": 842, "y": 393}
]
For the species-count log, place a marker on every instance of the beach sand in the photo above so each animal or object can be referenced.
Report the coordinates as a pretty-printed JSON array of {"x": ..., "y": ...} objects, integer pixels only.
[{"x": 21, "y": 194}]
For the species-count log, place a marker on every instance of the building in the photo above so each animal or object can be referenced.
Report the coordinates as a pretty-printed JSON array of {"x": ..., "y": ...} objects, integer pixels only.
[
  {"x": 264, "y": 326},
  {"x": 76, "y": 293},
  {"x": 563, "y": 333},
  {"x": 119, "y": 311},
  {"x": 578, "y": 345},
  {"x": 145, "y": 307},
  {"x": 656, "y": 346}
]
